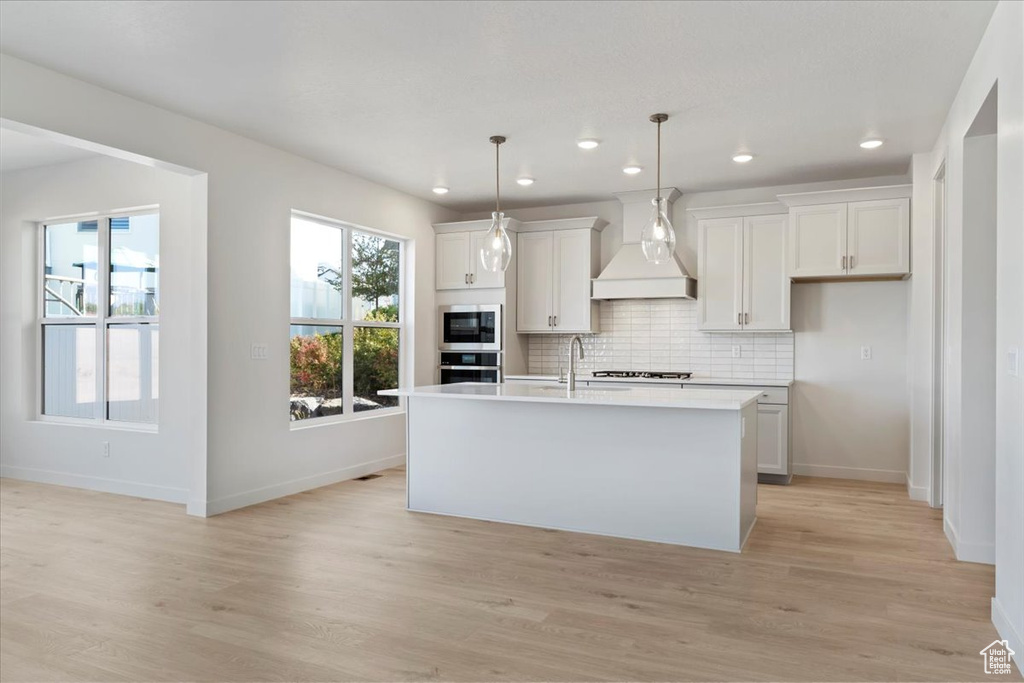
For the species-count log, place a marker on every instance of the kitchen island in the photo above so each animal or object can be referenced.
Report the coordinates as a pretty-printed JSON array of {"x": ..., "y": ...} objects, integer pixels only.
[{"x": 655, "y": 464}]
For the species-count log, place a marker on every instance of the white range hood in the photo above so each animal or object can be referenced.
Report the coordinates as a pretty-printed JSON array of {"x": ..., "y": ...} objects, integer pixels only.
[{"x": 629, "y": 275}]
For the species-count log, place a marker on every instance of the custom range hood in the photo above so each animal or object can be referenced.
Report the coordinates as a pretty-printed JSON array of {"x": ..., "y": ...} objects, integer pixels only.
[{"x": 629, "y": 275}]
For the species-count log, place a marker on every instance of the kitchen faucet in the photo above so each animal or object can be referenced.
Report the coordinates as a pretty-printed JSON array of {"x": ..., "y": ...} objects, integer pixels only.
[{"x": 572, "y": 360}]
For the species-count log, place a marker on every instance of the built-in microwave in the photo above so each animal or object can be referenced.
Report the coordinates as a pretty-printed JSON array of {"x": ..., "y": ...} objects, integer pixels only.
[{"x": 467, "y": 327}]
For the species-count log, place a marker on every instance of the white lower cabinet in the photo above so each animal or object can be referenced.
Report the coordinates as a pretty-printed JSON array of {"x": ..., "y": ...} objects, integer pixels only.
[
  {"x": 774, "y": 455},
  {"x": 772, "y": 439}
]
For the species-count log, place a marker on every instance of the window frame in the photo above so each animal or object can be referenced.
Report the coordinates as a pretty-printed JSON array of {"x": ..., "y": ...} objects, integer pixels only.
[
  {"x": 348, "y": 324},
  {"x": 101, "y": 322}
]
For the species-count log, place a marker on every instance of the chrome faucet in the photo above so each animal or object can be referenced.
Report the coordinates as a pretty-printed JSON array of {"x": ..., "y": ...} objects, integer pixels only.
[{"x": 572, "y": 360}]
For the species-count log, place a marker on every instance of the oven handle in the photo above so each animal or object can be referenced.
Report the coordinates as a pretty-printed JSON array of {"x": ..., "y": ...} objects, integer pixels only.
[{"x": 469, "y": 367}]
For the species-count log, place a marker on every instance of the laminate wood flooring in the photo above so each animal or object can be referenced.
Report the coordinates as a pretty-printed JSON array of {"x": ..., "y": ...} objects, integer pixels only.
[{"x": 840, "y": 581}]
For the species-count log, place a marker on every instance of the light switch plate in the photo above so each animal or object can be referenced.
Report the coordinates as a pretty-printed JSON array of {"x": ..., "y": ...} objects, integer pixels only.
[
  {"x": 258, "y": 351},
  {"x": 865, "y": 353}
]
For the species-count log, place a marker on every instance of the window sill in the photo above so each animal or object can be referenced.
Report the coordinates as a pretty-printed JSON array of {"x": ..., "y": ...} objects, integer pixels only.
[
  {"x": 105, "y": 425},
  {"x": 331, "y": 420}
]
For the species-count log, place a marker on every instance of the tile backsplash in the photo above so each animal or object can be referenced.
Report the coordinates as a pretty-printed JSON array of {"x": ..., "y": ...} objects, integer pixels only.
[{"x": 662, "y": 334}]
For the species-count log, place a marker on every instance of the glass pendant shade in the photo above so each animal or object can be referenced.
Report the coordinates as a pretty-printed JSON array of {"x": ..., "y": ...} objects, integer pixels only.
[
  {"x": 658, "y": 239},
  {"x": 496, "y": 251}
]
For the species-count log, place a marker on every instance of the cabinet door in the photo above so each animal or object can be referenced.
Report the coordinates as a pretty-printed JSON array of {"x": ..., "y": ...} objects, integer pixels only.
[
  {"x": 766, "y": 286},
  {"x": 452, "y": 264},
  {"x": 878, "y": 240},
  {"x": 773, "y": 439},
  {"x": 534, "y": 282},
  {"x": 720, "y": 273},
  {"x": 817, "y": 240},
  {"x": 479, "y": 278},
  {"x": 572, "y": 273}
]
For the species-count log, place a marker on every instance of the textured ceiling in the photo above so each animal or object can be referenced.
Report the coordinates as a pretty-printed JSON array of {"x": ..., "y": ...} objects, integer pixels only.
[{"x": 407, "y": 93}]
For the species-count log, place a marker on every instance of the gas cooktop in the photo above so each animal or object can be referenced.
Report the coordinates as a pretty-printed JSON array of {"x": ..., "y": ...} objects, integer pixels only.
[{"x": 635, "y": 374}]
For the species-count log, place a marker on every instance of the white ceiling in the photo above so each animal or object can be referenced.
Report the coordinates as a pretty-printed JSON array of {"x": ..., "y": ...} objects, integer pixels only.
[
  {"x": 407, "y": 93},
  {"x": 19, "y": 151}
]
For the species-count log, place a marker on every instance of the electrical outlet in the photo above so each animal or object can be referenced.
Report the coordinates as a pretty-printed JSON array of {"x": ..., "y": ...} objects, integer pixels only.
[
  {"x": 736, "y": 351},
  {"x": 258, "y": 351},
  {"x": 106, "y": 449},
  {"x": 865, "y": 353}
]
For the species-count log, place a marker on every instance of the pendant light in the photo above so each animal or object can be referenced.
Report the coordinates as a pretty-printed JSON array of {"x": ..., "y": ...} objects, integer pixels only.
[
  {"x": 658, "y": 239},
  {"x": 496, "y": 251}
]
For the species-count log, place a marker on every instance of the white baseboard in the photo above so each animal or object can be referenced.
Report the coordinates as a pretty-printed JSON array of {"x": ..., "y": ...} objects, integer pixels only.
[
  {"x": 1007, "y": 631},
  {"x": 982, "y": 553},
  {"x": 262, "y": 495},
  {"x": 917, "y": 492},
  {"x": 82, "y": 481},
  {"x": 861, "y": 473}
]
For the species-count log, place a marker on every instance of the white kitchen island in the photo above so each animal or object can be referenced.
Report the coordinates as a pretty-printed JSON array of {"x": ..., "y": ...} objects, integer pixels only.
[{"x": 655, "y": 464}]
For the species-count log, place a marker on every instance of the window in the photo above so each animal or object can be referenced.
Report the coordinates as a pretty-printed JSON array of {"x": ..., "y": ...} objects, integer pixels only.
[
  {"x": 99, "y": 323},
  {"x": 346, "y": 319}
]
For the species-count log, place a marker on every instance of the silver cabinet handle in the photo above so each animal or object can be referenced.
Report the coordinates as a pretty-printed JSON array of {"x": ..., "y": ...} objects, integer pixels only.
[
  {"x": 739, "y": 318},
  {"x": 746, "y": 318},
  {"x": 465, "y": 278},
  {"x": 556, "y": 320},
  {"x": 851, "y": 261},
  {"x": 843, "y": 263},
  {"x": 472, "y": 278},
  {"x": 549, "y": 321}
]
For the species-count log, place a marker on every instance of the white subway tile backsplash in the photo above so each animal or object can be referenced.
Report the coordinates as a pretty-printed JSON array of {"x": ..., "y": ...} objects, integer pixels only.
[{"x": 638, "y": 334}]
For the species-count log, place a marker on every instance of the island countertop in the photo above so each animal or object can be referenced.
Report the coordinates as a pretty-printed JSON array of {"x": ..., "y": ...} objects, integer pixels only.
[{"x": 647, "y": 397}]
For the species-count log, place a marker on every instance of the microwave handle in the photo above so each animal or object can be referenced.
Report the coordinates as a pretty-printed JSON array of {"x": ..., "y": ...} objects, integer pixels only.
[{"x": 469, "y": 367}]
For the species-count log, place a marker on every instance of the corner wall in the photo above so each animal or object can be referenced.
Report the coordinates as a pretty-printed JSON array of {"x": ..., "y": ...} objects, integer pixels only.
[
  {"x": 140, "y": 463},
  {"x": 999, "y": 60},
  {"x": 252, "y": 453}
]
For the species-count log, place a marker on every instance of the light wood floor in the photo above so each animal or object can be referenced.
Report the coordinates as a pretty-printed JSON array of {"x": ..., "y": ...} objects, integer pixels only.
[{"x": 839, "y": 581}]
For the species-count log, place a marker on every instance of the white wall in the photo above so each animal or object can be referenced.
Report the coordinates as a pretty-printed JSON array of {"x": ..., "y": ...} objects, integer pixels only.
[
  {"x": 999, "y": 59},
  {"x": 150, "y": 464},
  {"x": 252, "y": 454},
  {"x": 850, "y": 416}
]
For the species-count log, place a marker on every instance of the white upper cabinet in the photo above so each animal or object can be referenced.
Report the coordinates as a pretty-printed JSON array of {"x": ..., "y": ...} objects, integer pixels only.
[
  {"x": 742, "y": 281},
  {"x": 720, "y": 274},
  {"x": 535, "y": 282},
  {"x": 865, "y": 236},
  {"x": 458, "y": 264},
  {"x": 878, "y": 237},
  {"x": 817, "y": 240},
  {"x": 555, "y": 268},
  {"x": 766, "y": 285}
]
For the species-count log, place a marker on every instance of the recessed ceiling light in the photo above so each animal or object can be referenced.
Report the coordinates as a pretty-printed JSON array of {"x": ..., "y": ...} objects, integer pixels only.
[
  {"x": 742, "y": 158},
  {"x": 587, "y": 143},
  {"x": 440, "y": 189},
  {"x": 873, "y": 143},
  {"x": 525, "y": 182},
  {"x": 632, "y": 170}
]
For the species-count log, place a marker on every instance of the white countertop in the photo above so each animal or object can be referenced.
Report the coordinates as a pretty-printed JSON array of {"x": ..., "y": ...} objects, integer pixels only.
[
  {"x": 649, "y": 397},
  {"x": 700, "y": 380}
]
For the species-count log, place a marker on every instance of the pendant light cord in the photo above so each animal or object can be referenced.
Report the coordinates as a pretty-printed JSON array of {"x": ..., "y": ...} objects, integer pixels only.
[
  {"x": 659, "y": 165},
  {"x": 497, "y": 183}
]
